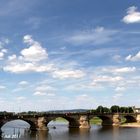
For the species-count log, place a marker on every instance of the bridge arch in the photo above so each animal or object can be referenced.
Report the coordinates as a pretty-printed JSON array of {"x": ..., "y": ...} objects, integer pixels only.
[
  {"x": 71, "y": 122},
  {"x": 106, "y": 120},
  {"x": 95, "y": 120},
  {"x": 129, "y": 118},
  {"x": 58, "y": 121}
]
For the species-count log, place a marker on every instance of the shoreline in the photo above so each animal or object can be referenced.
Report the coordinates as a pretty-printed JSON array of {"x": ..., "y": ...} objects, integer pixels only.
[{"x": 137, "y": 125}]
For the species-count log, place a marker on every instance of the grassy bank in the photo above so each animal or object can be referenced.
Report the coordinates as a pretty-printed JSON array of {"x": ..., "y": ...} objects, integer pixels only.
[
  {"x": 59, "y": 119},
  {"x": 96, "y": 121}
]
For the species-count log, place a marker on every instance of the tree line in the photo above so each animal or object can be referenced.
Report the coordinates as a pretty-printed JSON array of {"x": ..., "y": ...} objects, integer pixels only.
[{"x": 112, "y": 109}]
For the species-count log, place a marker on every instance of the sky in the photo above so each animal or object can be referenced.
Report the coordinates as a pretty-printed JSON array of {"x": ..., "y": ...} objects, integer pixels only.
[{"x": 69, "y": 54}]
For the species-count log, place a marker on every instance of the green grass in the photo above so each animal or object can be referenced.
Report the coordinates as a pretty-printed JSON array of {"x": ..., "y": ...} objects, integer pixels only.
[
  {"x": 59, "y": 119},
  {"x": 123, "y": 120},
  {"x": 96, "y": 121}
]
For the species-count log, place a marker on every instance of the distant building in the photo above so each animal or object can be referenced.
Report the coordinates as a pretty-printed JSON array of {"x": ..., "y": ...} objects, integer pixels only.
[{"x": 135, "y": 109}]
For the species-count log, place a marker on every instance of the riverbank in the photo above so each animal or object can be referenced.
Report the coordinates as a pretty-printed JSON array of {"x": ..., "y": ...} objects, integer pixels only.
[{"x": 130, "y": 125}]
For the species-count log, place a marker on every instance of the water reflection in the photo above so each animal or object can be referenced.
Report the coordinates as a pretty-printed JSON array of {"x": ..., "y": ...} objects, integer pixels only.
[
  {"x": 43, "y": 135},
  {"x": 81, "y": 134}
]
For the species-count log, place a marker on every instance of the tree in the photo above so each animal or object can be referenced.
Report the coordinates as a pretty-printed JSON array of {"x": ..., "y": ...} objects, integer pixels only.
[
  {"x": 92, "y": 111},
  {"x": 123, "y": 109},
  {"x": 130, "y": 109},
  {"x": 100, "y": 109},
  {"x": 106, "y": 110},
  {"x": 115, "y": 109}
]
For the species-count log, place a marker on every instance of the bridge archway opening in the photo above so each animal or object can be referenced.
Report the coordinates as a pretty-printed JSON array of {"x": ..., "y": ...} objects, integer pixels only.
[
  {"x": 58, "y": 122},
  {"x": 95, "y": 121},
  {"x": 15, "y": 127},
  {"x": 106, "y": 121},
  {"x": 128, "y": 119}
]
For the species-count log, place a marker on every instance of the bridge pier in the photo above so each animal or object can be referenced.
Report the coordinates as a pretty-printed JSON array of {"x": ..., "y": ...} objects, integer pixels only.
[
  {"x": 116, "y": 120},
  {"x": 138, "y": 118},
  {"x": 74, "y": 124},
  {"x": 84, "y": 122},
  {"x": 42, "y": 123}
]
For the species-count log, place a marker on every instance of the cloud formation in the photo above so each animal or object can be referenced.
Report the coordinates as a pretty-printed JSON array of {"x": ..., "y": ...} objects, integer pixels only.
[
  {"x": 24, "y": 67},
  {"x": 96, "y": 36},
  {"x": 133, "y": 16},
  {"x": 64, "y": 74},
  {"x": 35, "y": 52},
  {"x": 121, "y": 70},
  {"x": 133, "y": 58},
  {"x": 30, "y": 59},
  {"x": 2, "y": 53}
]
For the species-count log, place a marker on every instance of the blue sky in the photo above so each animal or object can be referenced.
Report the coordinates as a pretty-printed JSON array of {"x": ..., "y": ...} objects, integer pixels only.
[{"x": 61, "y": 54}]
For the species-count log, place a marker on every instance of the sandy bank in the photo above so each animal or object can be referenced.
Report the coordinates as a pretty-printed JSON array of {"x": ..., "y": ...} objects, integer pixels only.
[{"x": 130, "y": 125}]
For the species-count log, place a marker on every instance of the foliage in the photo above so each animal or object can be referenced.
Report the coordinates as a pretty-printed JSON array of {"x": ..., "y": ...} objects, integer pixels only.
[
  {"x": 112, "y": 109},
  {"x": 100, "y": 109},
  {"x": 115, "y": 109}
]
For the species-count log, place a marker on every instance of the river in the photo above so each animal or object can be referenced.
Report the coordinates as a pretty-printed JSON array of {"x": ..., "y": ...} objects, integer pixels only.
[{"x": 19, "y": 130}]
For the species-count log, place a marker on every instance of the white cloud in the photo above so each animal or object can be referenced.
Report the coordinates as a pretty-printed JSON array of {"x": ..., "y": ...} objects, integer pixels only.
[
  {"x": 20, "y": 98},
  {"x": 99, "y": 35},
  {"x": 105, "y": 81},
  {"x": 35, "y": 52},
  {"x": 125, "y": 70},
  {"x": 39, "y": 93},
  {"x": 12, "y": 58},
  {"x": 44, "y": 88},
  {"x": 2, "y": 53},
  {"x": 63, "y": 74},
  {"x": 30, "y": 59},
  {"x": 119, "y": 70},
  {"x": 133, "y": 58},
  {"x": 133, "y": 16},
  {"x": 23, "y": 83},
  {"x": 23, "y": 67},
  {"x": 2, "y": 87},
  {"x": 120, "y": 89},
  {"x": 106, "y": 78}
]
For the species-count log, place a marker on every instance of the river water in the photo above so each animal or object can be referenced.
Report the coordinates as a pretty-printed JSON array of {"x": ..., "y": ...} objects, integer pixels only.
[{"x": 19, "y": 130}]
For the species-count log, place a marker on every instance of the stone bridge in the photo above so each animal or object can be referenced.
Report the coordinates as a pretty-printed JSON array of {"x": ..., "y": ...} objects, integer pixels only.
[{"x": 40, "y": 121}]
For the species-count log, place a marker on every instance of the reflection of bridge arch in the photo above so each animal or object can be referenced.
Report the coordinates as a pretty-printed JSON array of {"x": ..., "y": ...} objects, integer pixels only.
[{"x": 31, "y": 123}]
